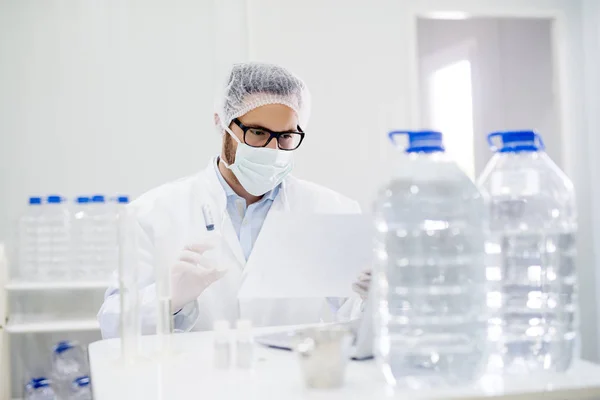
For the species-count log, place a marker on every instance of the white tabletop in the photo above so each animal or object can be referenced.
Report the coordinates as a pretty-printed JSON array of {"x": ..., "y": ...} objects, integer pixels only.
[{"x": 189, "y": 373}]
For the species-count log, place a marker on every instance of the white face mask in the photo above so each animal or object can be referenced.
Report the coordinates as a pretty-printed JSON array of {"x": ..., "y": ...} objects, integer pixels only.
[{"x": 259, "y": 169}]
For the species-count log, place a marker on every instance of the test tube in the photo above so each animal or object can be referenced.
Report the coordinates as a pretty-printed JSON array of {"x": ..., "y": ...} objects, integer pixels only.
[
  {"x": 162, "y": 262},
  {"x": 209, "y": 221},
  {"x": 164, "y": 323},
  {"x": 164, "y": 246},
  {"x": 130, "y": 324}
]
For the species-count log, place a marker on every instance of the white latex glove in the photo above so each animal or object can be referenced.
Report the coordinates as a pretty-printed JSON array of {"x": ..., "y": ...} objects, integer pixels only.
[
  {"x": 194, "y": 272},
  {"x": 362, "y": 284}
]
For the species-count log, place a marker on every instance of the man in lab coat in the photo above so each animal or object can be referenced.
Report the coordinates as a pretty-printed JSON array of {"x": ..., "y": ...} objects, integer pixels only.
[{"x": 261, "y": 115}]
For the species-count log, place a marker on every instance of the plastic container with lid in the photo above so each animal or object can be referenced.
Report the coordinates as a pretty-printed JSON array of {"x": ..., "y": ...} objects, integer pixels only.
[
  {"x": 28, "y": 240},
  {"x": 105, "y": 250},
  {"x": 532, "y": 256},
  {"x": 81, "y": 389},
  {"x": 429, "y": 274},
  {"x": 39, "y": 389},
  {"x": 55, "y": 239},
  {"x": 69, "y": 360},
  {"x": 82, "y": 238}
]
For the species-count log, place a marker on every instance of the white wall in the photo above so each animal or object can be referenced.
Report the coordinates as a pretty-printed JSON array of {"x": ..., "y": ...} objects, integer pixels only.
[
  {"x": 118, "y": 97},
  {"x": 513, "y": 77},
  {"x": 352, "y": 55},
  {"x": 108, "y": 96},
  {"x": 590, "y": 31}
]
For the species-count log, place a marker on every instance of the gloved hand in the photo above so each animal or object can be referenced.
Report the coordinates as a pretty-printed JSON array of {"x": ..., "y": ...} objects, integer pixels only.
[
  {"x": 193, "y": 273},
  {"x": 362, "y": 284}
]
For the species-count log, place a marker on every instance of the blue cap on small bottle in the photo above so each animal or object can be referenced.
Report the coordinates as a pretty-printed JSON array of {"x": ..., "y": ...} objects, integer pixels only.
[{"x": 54, "y": 199}]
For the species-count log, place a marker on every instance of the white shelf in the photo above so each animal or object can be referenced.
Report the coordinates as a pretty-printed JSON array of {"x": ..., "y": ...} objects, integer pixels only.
[
  {"x": 17, "y": 285},
  {"x": 53, "y": 326}
]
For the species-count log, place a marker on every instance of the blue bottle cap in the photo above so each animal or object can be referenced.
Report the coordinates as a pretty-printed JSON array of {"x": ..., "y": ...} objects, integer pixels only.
[
  {"x": 421, "y": 141},
  {"x": 82, "y": 381},
  {"x": 39, "y": 382},
  {"x": 82, "y": 199},
  {"x": 35, "y": 200},
  {"x": 516, "y": 141},
  {"x": 63, "y": 346},
  {"x": 54, "y": 199},
  {"x": 98, "y": 198}
]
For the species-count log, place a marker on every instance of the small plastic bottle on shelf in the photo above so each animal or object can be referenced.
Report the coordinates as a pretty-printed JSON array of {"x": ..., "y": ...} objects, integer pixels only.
[
  {"x": 105, "y": 239},
  {"x": 81, "y": 389},
  {"x": 82, "y": 238},
  {"x": 55, "y": 239},
  {"x": 111, "y": 261},
  {"x": 39, "y": 389},
  {"x": 69, "y": 361},
  {"x": 29, "y": 225}
]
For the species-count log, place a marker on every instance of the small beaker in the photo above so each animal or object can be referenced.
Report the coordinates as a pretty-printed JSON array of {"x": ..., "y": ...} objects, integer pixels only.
[{"x": 324, "y": 352}]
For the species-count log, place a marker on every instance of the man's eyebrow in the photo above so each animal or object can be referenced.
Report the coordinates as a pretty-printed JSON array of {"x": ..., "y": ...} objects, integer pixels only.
[
  {"x": 257, "y": 126},
  {"x": 254, "y": 126}
]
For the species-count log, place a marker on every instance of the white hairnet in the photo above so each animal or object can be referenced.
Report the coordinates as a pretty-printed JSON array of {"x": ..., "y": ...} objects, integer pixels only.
[{"x": 251, "y": 85}]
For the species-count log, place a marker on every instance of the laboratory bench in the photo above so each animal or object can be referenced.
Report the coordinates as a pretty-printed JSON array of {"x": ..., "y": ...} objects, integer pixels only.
[{"x": 187, "y": 371}]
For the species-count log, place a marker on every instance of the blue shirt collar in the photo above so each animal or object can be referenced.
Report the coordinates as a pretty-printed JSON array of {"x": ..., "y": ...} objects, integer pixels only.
[{"x": 270, "y": 195}]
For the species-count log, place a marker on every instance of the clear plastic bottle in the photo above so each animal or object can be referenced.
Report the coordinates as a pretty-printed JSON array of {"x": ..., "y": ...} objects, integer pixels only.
[
  {"x": 116, "y": 209},
  {"x": 44, "y": 246},
  {"x": 29, "y": 225},
  {"x": 532, "y": 269},
  {"x": 39, "y": 389},
  {"x": 105, "y": 240},
  {"x": 222, "y": 345},
  {"x": 244, "y": 344},
  {"x": 69, "y": 361},
  {"x": 121, "y": 200},
  {"x": 81, "y": 389},
  {"x": 56, "y": 238},
  {"x": 429, "y": 275},
  {"x": 81, "y": 238}
]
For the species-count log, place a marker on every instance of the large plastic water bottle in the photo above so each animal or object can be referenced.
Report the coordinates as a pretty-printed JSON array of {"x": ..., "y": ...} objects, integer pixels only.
[
  {"x": 39, "y": 389},
  {"x": 55, "y": 239},
  {"x": 69, "y": 361},
  {"x": 29, "y": 225},
  {"x": 81, "y": 389},
  {"x": 532, "y": 271},
  {"x": 429, "y": 278}
]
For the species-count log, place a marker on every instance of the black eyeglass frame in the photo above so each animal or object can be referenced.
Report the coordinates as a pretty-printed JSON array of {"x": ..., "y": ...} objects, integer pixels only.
[{"x": 272, "y": 134}]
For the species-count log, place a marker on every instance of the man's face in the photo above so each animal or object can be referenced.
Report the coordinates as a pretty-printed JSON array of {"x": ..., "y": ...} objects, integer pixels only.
[{"x": 274, "y": 117}]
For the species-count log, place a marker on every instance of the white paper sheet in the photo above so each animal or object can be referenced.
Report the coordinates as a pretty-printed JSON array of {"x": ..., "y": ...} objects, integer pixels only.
[{"x": 308, "y": 255}]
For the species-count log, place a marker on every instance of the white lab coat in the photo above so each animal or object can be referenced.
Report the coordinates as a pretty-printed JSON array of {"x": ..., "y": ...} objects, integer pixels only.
[{"x": 170, "y": 217}]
